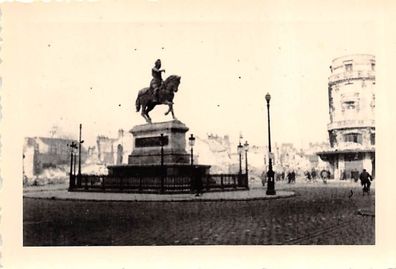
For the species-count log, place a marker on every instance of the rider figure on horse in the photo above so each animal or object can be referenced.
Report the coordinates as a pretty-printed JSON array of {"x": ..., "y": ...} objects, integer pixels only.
[{"x": 157, "y": 81}]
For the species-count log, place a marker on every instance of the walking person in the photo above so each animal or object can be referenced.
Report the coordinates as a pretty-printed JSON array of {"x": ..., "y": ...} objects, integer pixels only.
[
  {"x": 308, "y": 175},
  {"x": 289, "y": 177},
  {"x": 365, "y": 181},
  {"x": 197, "y": 182},
  {"x": 313, "y": 174},
  {"x": 293, "y": 176},
  {"x": 325, "y": 175}
]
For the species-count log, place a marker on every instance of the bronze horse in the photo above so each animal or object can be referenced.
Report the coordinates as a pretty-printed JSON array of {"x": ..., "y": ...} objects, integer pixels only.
[{"x": 166, "y": 93}]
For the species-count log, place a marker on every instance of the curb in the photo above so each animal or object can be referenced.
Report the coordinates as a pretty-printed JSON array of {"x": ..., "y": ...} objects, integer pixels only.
[{"x": 288, "y": 195}]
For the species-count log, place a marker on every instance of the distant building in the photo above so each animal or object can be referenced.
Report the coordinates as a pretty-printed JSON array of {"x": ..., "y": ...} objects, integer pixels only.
[
  {"x": 40, "y": 153},
  {"x": 310, "y": 154},
  {"x": 286, "y": 158},
  {"x": 286, "y": 154},
  {"x": 114, "y": 150},
  {"x": 351, "y": 92},
  {"x": 223, "y": 143}
]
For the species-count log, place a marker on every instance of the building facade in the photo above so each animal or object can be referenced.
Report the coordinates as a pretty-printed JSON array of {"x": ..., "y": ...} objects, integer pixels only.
[
  {"x": 114, "y": 150},
  {"x": 351, "y": 93},
  {"x": 40, "y": 153}
]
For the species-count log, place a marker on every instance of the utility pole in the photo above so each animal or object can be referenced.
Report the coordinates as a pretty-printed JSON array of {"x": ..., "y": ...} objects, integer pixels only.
[{"x": 79, "y": 158}]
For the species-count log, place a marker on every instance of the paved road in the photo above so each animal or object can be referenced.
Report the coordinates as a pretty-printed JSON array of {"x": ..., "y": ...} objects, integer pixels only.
[{"x": 318, "y": 214}]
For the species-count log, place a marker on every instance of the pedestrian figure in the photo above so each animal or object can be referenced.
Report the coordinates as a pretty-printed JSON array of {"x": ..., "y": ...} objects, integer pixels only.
[
  {"x": 365, "y": 181},
  {"x": 324, "y": 174},
  {"x": 308, "y": 175},
  {"x": 196, "y": 182},
  {"x": 293, "y": 176},
  {"x": 355, "y": 175},
  {"x": 289, "y": 177},
  {"x": 313, "y": 175}
]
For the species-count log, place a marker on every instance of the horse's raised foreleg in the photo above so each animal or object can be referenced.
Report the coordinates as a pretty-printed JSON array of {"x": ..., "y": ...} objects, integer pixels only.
[
  {"x": 173, "y": 114},
  {"x": 169, "y": 110},
  {"x": 170, "y": 105}
]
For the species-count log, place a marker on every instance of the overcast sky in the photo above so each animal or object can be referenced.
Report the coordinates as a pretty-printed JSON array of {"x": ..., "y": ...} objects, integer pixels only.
[{"x": 85, "y": 63}]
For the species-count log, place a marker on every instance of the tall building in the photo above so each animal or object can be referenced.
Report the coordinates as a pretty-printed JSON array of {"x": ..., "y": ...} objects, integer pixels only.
[{"x": 351, "y": 92}]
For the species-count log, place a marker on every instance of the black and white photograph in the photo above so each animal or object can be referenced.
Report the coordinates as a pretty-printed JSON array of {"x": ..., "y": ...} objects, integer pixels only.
[{"x": 258, "y": 132}]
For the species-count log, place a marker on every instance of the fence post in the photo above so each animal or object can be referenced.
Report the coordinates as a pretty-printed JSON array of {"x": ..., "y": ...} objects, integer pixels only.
[
  {"x": 235, "y": 181},
  {"x": 103, "y": 182},
  {"x": 86, "y": 182},
  {"x": 140, "y": 184},
  {"x": 121, "y": 183},
  {"x": 221, "y": 182},
  {"x": 162, "y": 183}
]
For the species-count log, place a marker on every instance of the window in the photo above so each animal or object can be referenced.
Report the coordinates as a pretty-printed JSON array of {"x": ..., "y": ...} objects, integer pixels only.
[
  {"x": 333, "y": 139},
  {"x": 349, "y": 105},
  {"x": 348, "y": 67},
  {"x": 372, "y": 139},
  {"x": 354, "y": 138},
  {"x": 373, "y": 66},
  {"x": 53, "y": 149}
]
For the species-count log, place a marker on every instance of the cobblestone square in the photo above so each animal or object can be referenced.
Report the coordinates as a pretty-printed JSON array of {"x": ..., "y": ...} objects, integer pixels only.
[{"x": 317, "y": 215}]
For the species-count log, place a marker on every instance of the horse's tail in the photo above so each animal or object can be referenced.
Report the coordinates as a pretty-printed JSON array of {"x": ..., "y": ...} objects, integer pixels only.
[{"x": 137, "y": 104}]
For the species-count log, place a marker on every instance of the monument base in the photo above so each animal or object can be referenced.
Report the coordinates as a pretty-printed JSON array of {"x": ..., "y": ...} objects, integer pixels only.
[
  {"x": 156, "y": 143},
  {"x": 157, "y": 170},
  {"x": 159, "y": 149}
]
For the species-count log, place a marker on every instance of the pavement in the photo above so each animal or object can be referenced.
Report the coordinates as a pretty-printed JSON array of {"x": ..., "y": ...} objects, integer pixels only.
[
  {"x": 256, "y": 192},
  {"x": 316, "y": 214},
  {"x": 63, "y": 194}
]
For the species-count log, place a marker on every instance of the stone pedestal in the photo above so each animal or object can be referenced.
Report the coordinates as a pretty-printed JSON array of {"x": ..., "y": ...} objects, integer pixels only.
[
  {"x": 147, "y": 144},
  {"x": 145, "y": 159}
]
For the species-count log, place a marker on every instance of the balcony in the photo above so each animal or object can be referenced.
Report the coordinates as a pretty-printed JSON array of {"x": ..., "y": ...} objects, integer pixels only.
[
  {"x": 351, "y": 124},
  {"x": 351, "y": 75}
]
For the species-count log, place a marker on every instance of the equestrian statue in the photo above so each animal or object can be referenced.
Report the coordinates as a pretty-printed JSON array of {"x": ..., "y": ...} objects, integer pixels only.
[{"x": 159, "y": 93}]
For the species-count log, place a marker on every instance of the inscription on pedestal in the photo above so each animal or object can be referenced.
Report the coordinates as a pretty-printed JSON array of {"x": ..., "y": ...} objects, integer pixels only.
[{"x": 154, "y": 141}]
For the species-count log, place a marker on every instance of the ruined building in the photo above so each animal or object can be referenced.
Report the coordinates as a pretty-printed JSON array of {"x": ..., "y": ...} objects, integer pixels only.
[{"x": 40, "y": 153}]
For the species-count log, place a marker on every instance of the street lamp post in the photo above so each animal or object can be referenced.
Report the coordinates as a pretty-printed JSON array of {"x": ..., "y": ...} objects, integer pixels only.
[
  {"x": 79, "y": 159},
  {"x": 72, "y": 160},
  {"x": 162, "y": 163},
  {"x": 246, "y": 147},
  {"x": 194, "y": 185},
  {"x": 191, "y": 142},
  {"x": 270, "y": 173},
  {"x": 240, "y": 150}
]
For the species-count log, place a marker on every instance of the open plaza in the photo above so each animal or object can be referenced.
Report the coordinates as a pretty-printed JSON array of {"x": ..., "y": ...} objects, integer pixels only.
[
  {"x": 164, "y": 196},
  {"x": 303, "y": 213}
]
